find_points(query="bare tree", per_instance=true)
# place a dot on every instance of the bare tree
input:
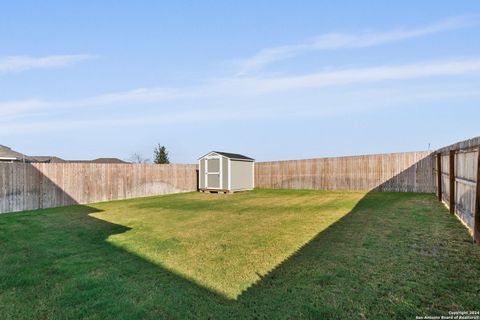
(138, 158)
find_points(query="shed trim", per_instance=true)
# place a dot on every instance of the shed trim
(229, 173)
(253, 175)
(220, 169)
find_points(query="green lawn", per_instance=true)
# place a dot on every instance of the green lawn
(261, 254)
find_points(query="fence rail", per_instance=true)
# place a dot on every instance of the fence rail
(46, 185)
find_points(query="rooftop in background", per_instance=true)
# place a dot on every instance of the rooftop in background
(9, 155)
(100, 160)
(49, 159)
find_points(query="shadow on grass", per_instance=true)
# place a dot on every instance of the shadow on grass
(393, 255)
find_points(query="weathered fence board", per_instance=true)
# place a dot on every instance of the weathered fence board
(404, 172)
(47, 185)
(463, 180)
(459, 176)
(445, 178)
(465, 185)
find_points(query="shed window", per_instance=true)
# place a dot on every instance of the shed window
(213, 165)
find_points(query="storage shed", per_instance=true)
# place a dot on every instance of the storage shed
(225, 172)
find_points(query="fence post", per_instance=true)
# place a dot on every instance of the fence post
(439, 176)
(197, 174)
(452, 181)
(476, 217)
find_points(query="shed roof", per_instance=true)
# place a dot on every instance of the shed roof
(231, 155)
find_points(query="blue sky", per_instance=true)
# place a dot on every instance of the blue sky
(272, 80)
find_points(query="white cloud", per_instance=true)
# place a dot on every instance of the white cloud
(232, 89)
(338, 103)
(135, 95)
(357, 75)
(22, 106)
(192, 116)
(23, 63)
(343, 40)
(254, 86)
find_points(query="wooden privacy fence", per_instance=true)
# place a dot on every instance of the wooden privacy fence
(46, 185)
(453, 172)
(458, 182)
(403, 172)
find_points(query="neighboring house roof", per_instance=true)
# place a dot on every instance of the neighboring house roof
(49, 159)
(231, 155)
(8, 153)
(108, 160)
(53, 159)
(99, 160)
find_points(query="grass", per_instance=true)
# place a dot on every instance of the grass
(262, 254)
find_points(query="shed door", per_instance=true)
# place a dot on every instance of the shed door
(213, 173)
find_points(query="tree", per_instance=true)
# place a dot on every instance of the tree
(160, 155)
(138, 158)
